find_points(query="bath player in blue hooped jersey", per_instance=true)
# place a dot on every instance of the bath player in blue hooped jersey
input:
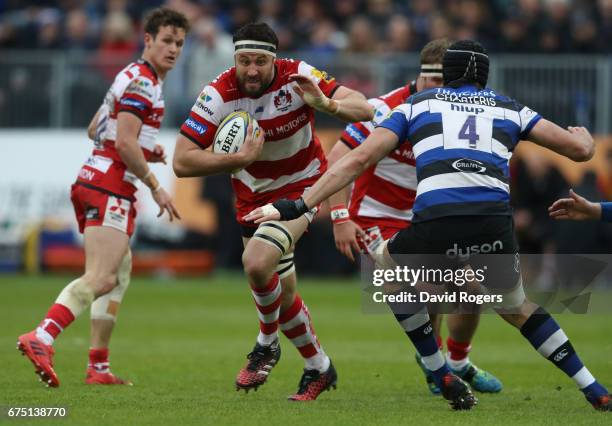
(462, 136)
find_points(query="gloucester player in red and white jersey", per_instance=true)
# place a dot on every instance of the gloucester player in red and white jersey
(380, 205)
(281, 94)
(124, 129)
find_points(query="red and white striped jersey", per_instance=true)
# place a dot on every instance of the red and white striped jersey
(292, 157)
(385, 192)
(136, 90)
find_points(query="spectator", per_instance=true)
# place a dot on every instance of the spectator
(342, 11)
(361, 37)
(605, 25)
(400, 37)
(77, 36)
(420, 14)
(211, 52)
(439, 28)
(118, 43)
(306, 15)
(555, 37)
(325, 41)
(379, 13)
(49, 31)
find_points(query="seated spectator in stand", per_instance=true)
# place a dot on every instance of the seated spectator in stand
(118, 43)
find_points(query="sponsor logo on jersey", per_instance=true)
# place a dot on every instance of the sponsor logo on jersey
(86, 174)
(204, 97)
(467, 165)
(203, 108)
(133, 103)
(259, 110)
(282, 101)
(321, 75)
(466, 108)
(139, 91)
(480, 98)
(141, 87)
(296, 122)
(199, 128)
(463, 253)
(92, 213)
(355, 134)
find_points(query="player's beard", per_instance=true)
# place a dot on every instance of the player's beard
(257, 92)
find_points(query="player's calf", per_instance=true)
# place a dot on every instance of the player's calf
(547, 337)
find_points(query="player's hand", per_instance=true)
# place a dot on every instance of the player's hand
(581, 132)
(159, 155)
(575, 208)
(252, 146)
(164, 201)
(279, 210)
(345, 235)
(309, 91)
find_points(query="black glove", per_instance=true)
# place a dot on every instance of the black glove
(289, 209)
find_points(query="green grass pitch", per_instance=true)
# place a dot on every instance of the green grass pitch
(183, 341)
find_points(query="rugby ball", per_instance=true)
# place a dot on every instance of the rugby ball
(232, 132)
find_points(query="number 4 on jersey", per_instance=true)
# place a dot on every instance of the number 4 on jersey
(468, 131)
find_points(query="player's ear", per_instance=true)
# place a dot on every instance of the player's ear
(148, 40)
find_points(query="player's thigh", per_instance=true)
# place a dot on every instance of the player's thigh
(105, 248)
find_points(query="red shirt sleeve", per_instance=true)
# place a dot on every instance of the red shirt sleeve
(204, 118)
(138, 97)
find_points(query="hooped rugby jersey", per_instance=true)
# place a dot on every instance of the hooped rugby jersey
(292, 158)
(136, 90)
(462, 139)
(387, 189)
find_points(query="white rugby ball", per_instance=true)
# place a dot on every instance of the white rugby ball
(232, 132)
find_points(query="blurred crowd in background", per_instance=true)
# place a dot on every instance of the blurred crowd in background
(322, 26)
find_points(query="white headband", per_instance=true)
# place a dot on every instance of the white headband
(431, 70)
(255, 46)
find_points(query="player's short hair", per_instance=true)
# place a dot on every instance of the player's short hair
(434, 51)
(162, 17)
(257, 31)
(465, 62)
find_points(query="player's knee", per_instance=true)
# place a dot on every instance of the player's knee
(256, 266)
(102, 283)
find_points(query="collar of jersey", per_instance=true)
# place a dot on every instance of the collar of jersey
(148, 65)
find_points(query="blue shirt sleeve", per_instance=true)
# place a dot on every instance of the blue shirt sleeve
(397, 122)
(606, 212)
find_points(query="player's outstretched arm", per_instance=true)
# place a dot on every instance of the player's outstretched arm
(380, 142)
(575, 208)
(126, 144)
(190, 160)
(575, 143)
(346, 104)
(345, 230)
(352, 105)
